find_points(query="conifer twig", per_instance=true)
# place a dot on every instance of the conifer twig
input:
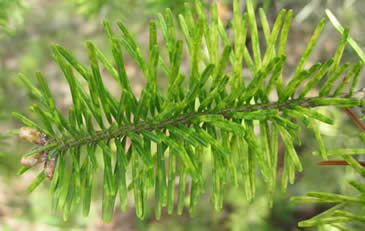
(160, 137)
(186, 120)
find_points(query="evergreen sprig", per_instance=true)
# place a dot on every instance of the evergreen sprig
(210, 113)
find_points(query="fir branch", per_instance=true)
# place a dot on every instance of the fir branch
(185, 119)
(215, 116)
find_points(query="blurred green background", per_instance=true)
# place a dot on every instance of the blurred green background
(27, 28)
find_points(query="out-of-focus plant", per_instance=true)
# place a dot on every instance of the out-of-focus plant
(124, 8)
(11, 15)
(176, 7)
(91, 8)
(350, 208)
(211, 118)
(264, 4)
(6, 164)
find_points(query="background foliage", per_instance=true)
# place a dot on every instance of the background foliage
(28, 49)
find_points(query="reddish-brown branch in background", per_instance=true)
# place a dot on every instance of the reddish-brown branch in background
(352, 115)
(337, 162)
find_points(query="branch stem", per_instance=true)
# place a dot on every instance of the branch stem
(185, 119)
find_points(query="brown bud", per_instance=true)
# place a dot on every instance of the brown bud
(30, 161)
(32, 135)
(49, 167)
